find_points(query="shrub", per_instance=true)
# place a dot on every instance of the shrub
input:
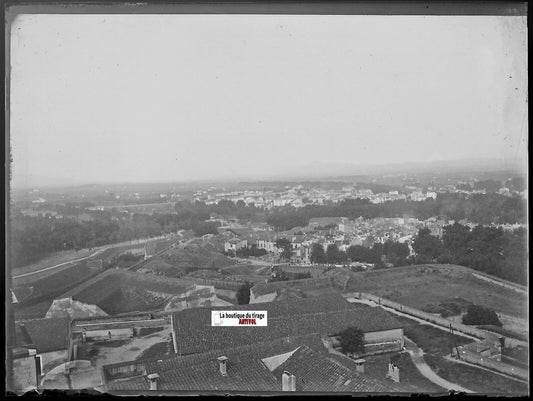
(479, 315)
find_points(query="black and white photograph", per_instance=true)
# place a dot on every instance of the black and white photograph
(266, 199)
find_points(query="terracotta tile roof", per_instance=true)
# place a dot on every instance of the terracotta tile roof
(244, 373)
(200, 372)
(262, 349)
(310, 363)
(194, 333)
(47, 334)
(316, 372)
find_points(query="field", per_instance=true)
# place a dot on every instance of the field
(158, 266)
(53, 285)
(52, 260)
(475, 379)
(434, 341)
(425, 286)
(197, 256)
(247, 272)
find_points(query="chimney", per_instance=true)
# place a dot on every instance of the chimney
(360, 365)
(288, 382)
(222, 360)
(153, 381)
(393, 373)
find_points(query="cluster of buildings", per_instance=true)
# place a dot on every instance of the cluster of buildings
(294, 352)
(297, 351)
(326, 231)
(298, 196)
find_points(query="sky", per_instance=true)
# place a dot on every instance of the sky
(140, 98)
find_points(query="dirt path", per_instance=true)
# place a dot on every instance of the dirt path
(417, 356)
(500, 283)
(372, 303)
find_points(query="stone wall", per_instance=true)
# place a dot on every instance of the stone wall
(486, 362)
(24, 373)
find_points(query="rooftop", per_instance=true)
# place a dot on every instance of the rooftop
(249, 370)
(46, 334)
(297, 317)
(316, 372)
(246, 371)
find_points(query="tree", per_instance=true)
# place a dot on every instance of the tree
(286, 246)
(396, 253)
(352, 340)
(243, 294)
(282, 243)
(427, 246)
(479, 315)
(317, 253)
(334, 255)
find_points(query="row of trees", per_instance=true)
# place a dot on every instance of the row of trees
(282, 275)
(253, 251)
(34, 237)
(389, 252)
(486, 249)
(479, 208)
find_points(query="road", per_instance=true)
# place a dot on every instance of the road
(60, 264)
(372, 303)
(98, 250)
(417, 355)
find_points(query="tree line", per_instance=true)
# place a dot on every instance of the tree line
(486, 249)
(391, 252)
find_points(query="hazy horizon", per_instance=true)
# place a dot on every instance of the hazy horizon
(306, 173)
(172, 98)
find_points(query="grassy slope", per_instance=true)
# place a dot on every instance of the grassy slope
(423, 286)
